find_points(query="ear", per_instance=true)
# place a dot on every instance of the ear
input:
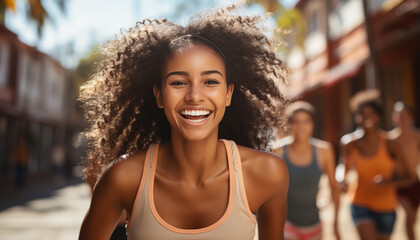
(230, 89)
(158, 96)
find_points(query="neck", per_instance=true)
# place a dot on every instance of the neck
(371, 134)
(300, 143)
(194, 160)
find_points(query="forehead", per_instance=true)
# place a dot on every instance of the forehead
(195, 55)
(300, 114)
(367, 109)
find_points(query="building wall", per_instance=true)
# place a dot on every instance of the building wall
(36, 107)
(337, 69)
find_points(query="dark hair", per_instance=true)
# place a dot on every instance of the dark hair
(119, 101)
(372, 104)
(300, 106)
(401, 106)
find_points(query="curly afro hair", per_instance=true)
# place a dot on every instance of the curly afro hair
(120, 105)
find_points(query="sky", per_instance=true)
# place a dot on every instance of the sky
(70, 36)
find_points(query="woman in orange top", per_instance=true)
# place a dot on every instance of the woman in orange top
(167, 96)
(373, 198)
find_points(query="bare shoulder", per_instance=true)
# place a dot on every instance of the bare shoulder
(281, 143)
(122, 177)
(322, 145)
(264, 167)
(350, 138)
(121, 170)
(416, 133)
(393, 134)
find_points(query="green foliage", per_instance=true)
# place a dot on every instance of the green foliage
(290, 21)
(88, 65)
(35, 10)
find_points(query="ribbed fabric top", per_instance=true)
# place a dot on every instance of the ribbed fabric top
(237, 222)
(367, 194)
(303, 188)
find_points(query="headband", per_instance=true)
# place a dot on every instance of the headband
(207, 41)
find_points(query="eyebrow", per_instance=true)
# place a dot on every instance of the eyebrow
(186, 74)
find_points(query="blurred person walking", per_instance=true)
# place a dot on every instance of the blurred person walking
(409, 139)
(21, 156)
(58, 156)
(307, 158)
(374, 158)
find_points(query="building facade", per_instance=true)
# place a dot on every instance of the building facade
(343, 54)
(37, 106)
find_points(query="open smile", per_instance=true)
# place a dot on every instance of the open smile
(195, 116)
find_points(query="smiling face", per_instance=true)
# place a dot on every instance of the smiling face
(194, 93)
(368, 118)
(301, 125)
(403, 118)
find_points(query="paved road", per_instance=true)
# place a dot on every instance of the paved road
(50, 212)
(56, 215)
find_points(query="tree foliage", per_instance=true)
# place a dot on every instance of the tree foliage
(35, 10)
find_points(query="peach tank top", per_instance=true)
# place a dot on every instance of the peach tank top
(237, 222)
(365, 193)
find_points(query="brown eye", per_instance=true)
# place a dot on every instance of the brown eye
(212, 82)
(177, 83)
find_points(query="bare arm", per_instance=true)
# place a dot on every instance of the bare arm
(401, 162)
(113, 194)
(105, 210)
(328, 163)
(271, 215)
(346, 163)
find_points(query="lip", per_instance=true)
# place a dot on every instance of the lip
(194, 124)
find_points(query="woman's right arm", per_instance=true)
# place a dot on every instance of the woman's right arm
(114, 192)
(345, 165)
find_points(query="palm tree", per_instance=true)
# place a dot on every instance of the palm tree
(286, 19)
(35, 10)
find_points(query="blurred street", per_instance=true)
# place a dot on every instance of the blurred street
(49, 212)
(334, 49)
(44, 212)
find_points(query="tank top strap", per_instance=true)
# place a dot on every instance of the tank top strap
(285, 154)
(239, 186)
(314, 156)
(147, 165)
(383, 149)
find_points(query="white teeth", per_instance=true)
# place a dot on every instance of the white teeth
(196, 120)
(195, 112)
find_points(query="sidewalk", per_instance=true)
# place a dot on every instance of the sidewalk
(47, 212)
(44, 211)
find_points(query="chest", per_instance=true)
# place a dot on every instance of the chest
(368, 149)
(191, 207)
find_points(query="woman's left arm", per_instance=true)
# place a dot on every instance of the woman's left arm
(328, 164)
(271, 215)
(401, 162)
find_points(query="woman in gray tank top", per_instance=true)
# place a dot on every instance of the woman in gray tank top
(307, 159)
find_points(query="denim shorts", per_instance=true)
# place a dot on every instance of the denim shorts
(384, 221)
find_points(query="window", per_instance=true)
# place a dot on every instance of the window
(4, 64)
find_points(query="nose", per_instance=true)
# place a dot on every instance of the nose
(194, 94)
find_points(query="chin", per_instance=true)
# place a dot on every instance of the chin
(193, 136)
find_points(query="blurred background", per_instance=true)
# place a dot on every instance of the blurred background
(48, 48)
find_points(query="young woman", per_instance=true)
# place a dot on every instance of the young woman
(374, 158)
(409, 139)
(307, 158)
(168, 96)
